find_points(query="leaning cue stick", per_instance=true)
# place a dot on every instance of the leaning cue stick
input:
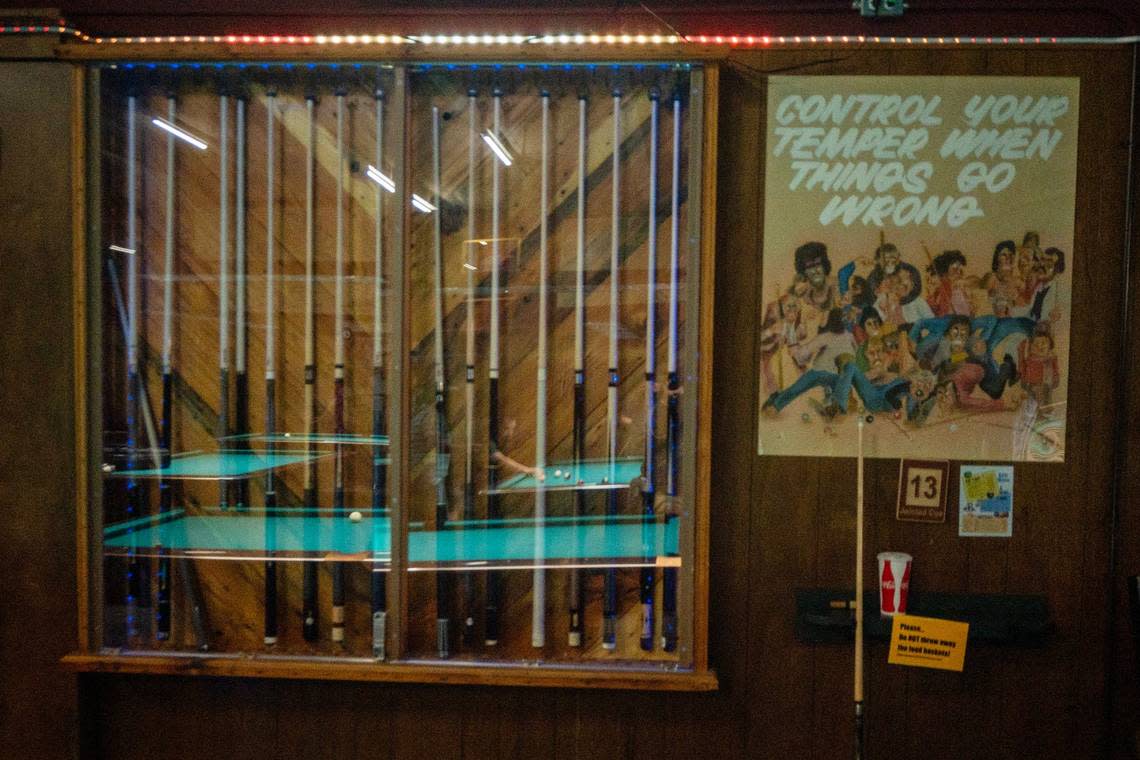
(338, 591)
(241, 378)
(309, 584)
(649, 490)
(191, 589)
(270, 382)
(609, 602)
(673, 408)
(859, 594)
(538, 600)
(135, 585)
(165, 494)
(377, 586)
(223, 288)
(468, 635)
(493, 510)
(442, 578)
(579, 435)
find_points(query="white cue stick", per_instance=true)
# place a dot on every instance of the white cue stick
(649, 494)
(538, 602)
(270, 377)
(378, 584)
(241, 379)
(609, 612)
(223, 286)
(576, 589)
(669, 574)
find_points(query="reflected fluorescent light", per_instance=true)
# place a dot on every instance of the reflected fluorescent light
(181, 134)
(497, 147)
(120, 249)
(469, 265)
(381, 179)
(421, 205)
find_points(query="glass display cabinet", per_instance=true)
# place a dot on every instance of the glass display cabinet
(398, 371)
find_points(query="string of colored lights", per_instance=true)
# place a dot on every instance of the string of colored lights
(460, 40)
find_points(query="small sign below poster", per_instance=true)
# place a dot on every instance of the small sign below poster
(922, 490)
(985, 501)
(928, 643)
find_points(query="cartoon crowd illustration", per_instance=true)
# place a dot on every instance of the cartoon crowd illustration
(941, 342)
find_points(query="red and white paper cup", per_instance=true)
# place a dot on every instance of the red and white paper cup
(894, 582)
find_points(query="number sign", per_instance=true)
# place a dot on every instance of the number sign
(922, 490)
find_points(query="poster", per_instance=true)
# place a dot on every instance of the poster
(985, 501)
(917, 266)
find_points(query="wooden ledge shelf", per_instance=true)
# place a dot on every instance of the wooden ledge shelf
(1006, 619)
(356, 669)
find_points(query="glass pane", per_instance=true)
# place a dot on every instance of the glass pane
(545, 368)
(245, 342)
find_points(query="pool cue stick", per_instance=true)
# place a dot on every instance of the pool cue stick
(165, 495)
(649, 489)
(309, 589)
(859, 594)
(338, 591)
(135, 583)
(494, 582)
(378, 585)
(241, 378)
(579, 435)
(468, 634)
(609, 601)
(442, 578)
(223, 288)
(538, 598)
(673, 404)
(270, 382)
(189, 576)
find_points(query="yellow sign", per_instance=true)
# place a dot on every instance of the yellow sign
(928, 643)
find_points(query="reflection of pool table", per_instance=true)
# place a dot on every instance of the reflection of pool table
(587, 475)
(623, 541)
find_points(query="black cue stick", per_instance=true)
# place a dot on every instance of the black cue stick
(649, 487)
(673, 406)
(309, 590)
(468, 633)
(576, 590)
(609, 591)
(241, 377)
(494, 511)
(223, 290)
(338, 568)
(442, 578)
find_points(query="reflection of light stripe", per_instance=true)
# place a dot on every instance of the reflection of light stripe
(181, 134)
(421, 204)
(497, 147)
(552, 565)
(472, 267)
(381, 179)
(121, 249)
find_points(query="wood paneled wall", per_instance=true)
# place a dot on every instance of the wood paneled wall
(777, 524)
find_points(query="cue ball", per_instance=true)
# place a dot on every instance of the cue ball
(356, 517)
(558, 473)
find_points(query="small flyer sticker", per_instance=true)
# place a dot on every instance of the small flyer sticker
(923, 642)
(922, 490)
(985, 501)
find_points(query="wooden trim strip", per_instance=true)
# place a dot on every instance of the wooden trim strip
(368, 670)
(79, 347)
